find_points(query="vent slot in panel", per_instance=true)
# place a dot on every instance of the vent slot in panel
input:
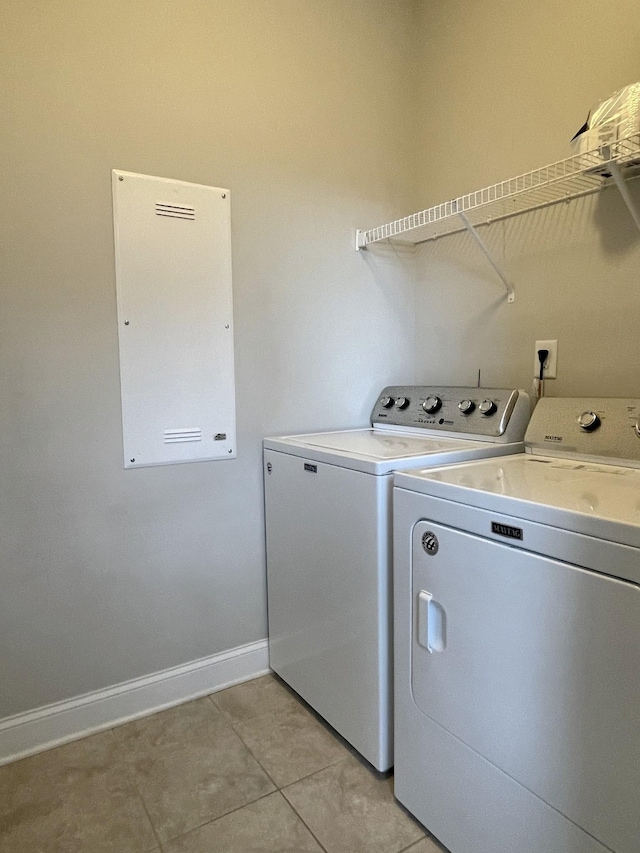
(175, 322)
(175, 211)
(172, 436)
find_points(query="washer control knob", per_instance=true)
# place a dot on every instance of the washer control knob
(589, 421)
(402, 402)
(432, 404)
(487, 407)
(637, 427)
(466, 406)
(386, 402)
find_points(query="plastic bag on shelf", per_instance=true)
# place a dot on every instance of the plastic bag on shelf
(609, 122)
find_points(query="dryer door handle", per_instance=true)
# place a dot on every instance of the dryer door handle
(431, 623)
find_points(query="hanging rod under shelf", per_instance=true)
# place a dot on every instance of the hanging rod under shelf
(571, 178)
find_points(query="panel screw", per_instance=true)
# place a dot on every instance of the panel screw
(224, 195)
(230, 450)
(120, 178)
(132, 460)
(226, 325)
(126, 322)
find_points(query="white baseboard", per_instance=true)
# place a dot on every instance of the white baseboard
(34, 731)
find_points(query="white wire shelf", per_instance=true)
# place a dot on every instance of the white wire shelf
(576, 176)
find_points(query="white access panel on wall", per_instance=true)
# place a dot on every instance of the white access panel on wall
(175, 324)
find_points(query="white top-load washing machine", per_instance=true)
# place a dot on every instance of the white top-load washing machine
(328, 523)
(517, 639)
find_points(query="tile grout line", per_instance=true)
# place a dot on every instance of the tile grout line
(282, 791)
(227, 722)
(358, 758)
(428, 837)
(313, 773)
(300, 818)
(229, 718)
(304, 823)
(131, 780)
(280, 788)
(238, 809)
(219, 817)
(287, 784)
(131, 777)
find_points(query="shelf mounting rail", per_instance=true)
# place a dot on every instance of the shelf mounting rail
(574, 177)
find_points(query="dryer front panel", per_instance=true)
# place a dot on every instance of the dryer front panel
(535, 665)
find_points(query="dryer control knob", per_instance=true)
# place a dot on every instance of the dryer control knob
(386, 402)
(402, 402)
(432, 404)
(487, 407)
(589, 421)
(466, 406)
(637, 427)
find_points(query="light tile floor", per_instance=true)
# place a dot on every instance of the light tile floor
(246, 770)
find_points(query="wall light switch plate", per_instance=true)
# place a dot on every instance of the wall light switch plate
(551, 362)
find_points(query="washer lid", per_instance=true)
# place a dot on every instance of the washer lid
(376, 444)
(591, 498)
(378, 451)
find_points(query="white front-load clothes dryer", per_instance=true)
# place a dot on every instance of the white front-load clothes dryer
(517, 639)
(328, 508)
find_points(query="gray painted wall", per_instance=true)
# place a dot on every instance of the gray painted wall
(507, 86)
(321, 118)
(298, 107)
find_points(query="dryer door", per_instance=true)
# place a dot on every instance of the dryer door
(534, 664)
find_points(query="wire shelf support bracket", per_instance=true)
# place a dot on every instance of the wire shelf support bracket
(511, 296)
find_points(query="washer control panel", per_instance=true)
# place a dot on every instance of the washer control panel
(488, 413)
(597, 427)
